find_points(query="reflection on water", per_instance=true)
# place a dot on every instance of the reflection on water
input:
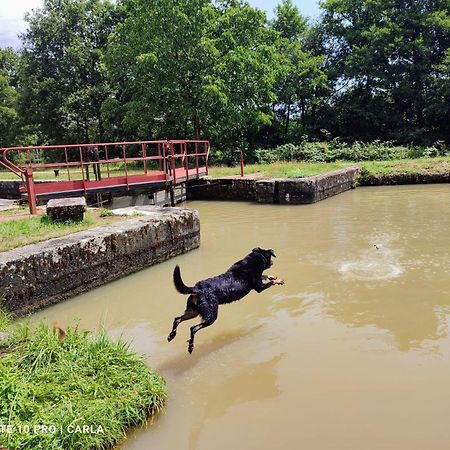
(352, 352)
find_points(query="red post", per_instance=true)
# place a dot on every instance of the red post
(172, 154)
(242, 163)
(186, 161)
(30, 190)
(144, 155)
(196, 157)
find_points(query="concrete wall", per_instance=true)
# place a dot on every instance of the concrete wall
(283, 191)
(10, 189)
(230, 188)
(41, 274)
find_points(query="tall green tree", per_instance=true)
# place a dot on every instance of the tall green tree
(192, 68)
(8, 96)
(63, 78)
(388, 60)
(303, 76)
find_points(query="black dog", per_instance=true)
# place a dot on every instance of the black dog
(206, 296)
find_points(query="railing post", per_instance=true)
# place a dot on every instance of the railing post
(186, 161)
(30, 190)
(242, 163)
(196, 157)
(144, 155)
(172, 154)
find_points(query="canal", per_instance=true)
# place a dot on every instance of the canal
(353, 352)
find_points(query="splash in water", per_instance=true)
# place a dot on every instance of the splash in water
(370, 270)
(379, 263)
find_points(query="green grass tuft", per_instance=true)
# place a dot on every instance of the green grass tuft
(81, 380)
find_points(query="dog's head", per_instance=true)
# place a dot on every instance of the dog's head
(266, 255)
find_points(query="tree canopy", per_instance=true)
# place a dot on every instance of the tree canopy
(94, 70)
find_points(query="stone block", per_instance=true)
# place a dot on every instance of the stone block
(265, 191)
(66, 209)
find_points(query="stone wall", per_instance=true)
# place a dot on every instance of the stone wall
(279, 190)
(229, 188)
(41, 274)
(10, 189)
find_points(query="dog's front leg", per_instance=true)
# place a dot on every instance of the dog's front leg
(260, 286)
(275, 280)
(263, 285)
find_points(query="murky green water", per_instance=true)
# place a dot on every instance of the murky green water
(353, 352)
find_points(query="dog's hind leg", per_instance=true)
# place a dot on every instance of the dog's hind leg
(189, 313)
(207, 321)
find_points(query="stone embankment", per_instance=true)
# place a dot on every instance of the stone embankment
(37, 275)
(10, 189)
(281, 191)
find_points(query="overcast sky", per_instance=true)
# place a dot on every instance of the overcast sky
(12, 13)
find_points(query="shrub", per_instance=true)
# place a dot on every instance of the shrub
(335, 150)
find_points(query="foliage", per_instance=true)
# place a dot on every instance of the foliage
(8, 96)
(80, 380)
(335, 150)
(388, 62)
(192, 68)
(220, 70)
(63, 78)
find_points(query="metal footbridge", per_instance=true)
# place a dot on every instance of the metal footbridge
(81, 169)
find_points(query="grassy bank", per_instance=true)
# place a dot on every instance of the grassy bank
(279, 169)
(18, 231)
(422, 166)
(79, 391)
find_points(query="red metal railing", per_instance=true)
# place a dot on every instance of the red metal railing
(114, 164)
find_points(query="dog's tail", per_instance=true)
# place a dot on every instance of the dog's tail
(181, 287)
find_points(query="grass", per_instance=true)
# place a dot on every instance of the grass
(280, 169)
(49, 386)
(439, 165)
(29, 230)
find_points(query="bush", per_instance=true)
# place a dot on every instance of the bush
(336, 150)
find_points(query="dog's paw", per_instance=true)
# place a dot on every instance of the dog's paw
(171, 336)
(268, 277)
(278, 281)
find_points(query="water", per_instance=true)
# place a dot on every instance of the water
(352, 353)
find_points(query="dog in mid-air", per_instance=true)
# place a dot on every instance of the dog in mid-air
(206, 296)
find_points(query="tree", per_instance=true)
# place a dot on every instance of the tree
(303, 76)
(389, 55)
(192, 68)
(8, 96)
(63, 78)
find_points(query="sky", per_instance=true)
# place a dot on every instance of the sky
(12, 15)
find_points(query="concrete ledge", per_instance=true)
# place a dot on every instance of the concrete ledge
(316, 188)
(34, 276)
(279, 190)
(402, 178)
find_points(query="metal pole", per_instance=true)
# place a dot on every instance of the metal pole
(242, 163)
(30, 190)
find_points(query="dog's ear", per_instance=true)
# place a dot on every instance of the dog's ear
(272, 253)
(256, 249)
